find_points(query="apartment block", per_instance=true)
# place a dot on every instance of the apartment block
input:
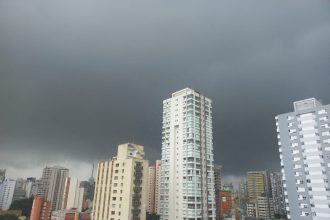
(121, 185)
(51, 186)
(41, 209)
(153, 188)
(7, 189)
(187, 171)
(73, 195)
(304, 147)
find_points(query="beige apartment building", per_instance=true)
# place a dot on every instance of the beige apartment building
(121, 185)
(153, 188)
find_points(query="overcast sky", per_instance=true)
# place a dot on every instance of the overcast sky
(77, 78)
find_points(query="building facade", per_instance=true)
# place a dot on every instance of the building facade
(217, 188)
(259, 192)
(41, 209)
(2, 175)
(121, 185)
(71, 214)
(304, 146)
(257, 183)
(153, 188)
(20, 189)
(226, 203)
(51, 186)
(278, 193)
(265, 207)
(73, 195)
(7, 189)
(187, 175)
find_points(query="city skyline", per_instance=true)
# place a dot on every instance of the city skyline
(73, 88)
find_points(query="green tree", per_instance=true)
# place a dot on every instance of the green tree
(8, 217)
(23, 204)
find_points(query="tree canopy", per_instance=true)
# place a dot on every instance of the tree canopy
(23, 204)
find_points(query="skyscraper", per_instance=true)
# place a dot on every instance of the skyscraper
(304, 146)
(7, 189)
(278, 193)
(153, 188)
(20, 189)
(121, 185)
(256, 184)
(217, 188)
(73, 194)
(52, 185)
(259, 192)
(187, 175)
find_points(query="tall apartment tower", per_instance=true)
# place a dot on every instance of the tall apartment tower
(153, 188)
(52, 185)
(121, 185)
(278, 193)
(73, 195)
(217, 188)
(187, 175)
(304, 146)
(259, 195)
(7, 189)
(256, 184)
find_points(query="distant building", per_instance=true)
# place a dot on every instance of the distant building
(7, 189)
(52, 185)
(278, 193)
(226, 203)
(251, 209)
(242, 196)
(41, 209)
(73, 195)
(227, 187)
(18, 213)
(265, 207)
(121, 185)
(217, 189)
(258, 192)
(89, 187)
(2, 175)
(304, 146)
(157, 187)
(258, 182)
(71, 214)
(20, 189)
(187, 175)
(153, 188)
(31, 187)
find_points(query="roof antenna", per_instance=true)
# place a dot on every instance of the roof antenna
(92, 176)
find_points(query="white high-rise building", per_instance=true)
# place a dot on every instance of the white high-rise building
(304, 146)
(7, 189)
(73, 195)
(187, 176)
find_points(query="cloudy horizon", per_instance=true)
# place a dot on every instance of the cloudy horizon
(78, 78)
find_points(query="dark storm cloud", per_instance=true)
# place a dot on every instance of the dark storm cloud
(79, 77)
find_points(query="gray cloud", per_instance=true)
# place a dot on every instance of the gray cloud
(77, 78)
